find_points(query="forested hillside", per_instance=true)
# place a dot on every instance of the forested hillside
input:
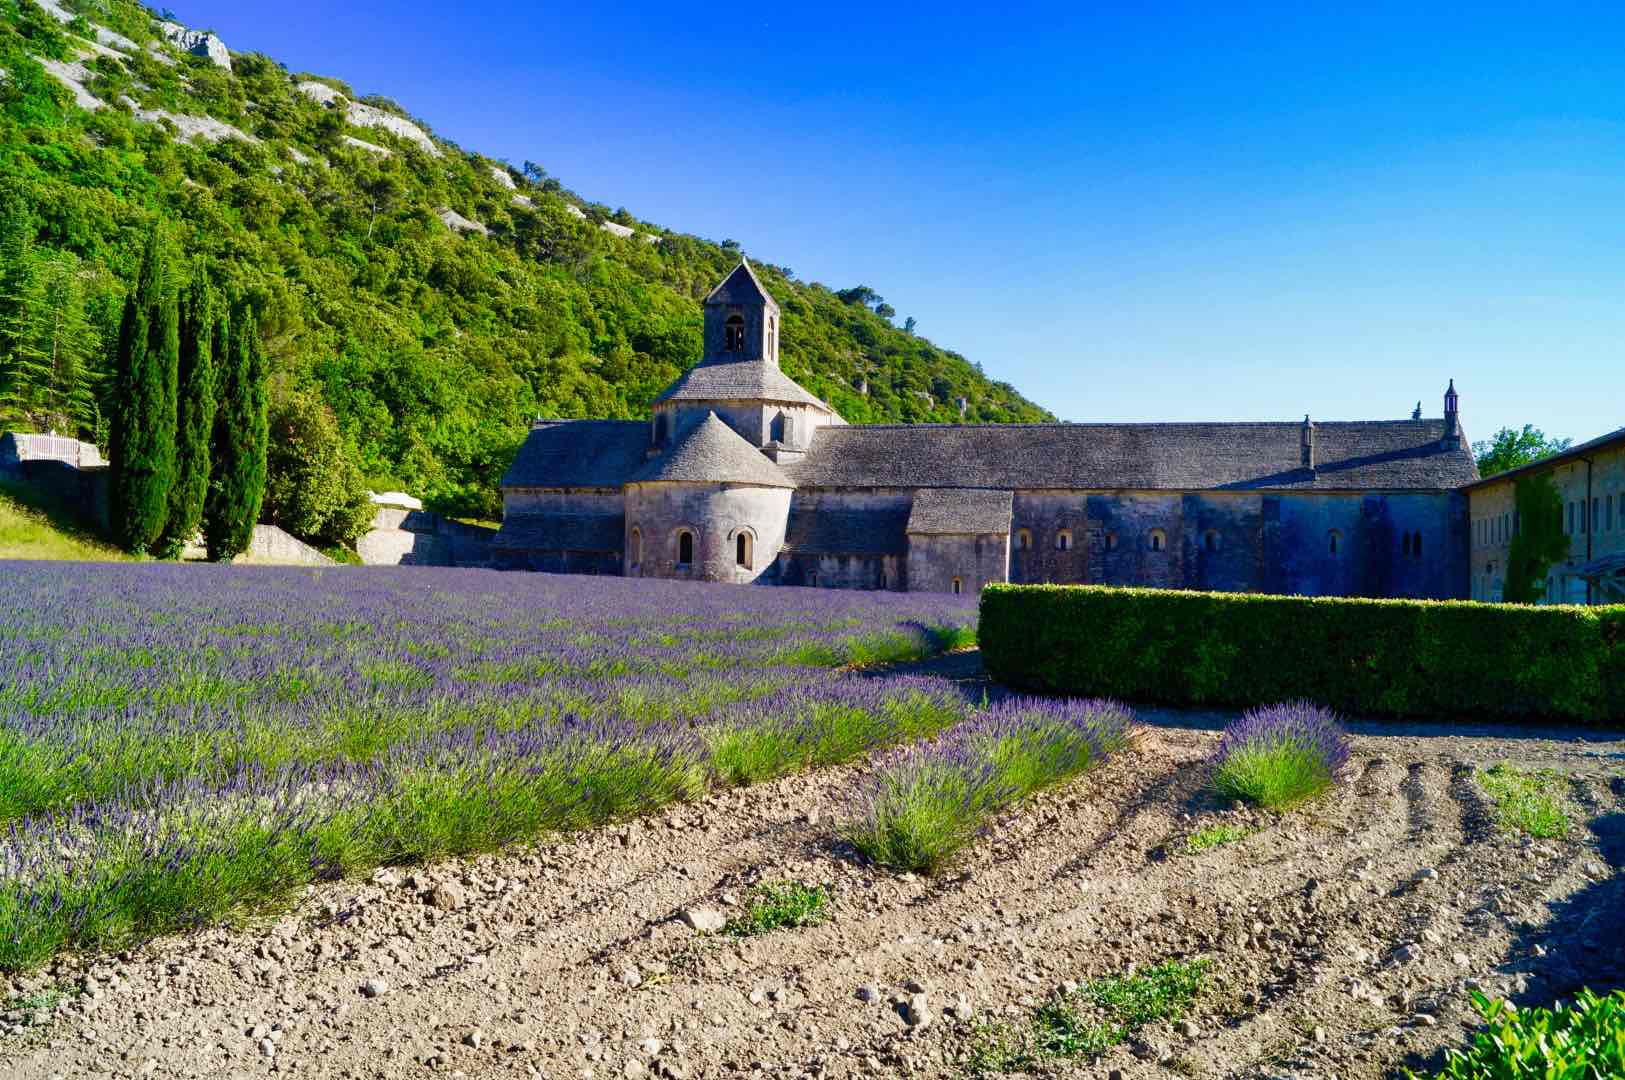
(435, 299)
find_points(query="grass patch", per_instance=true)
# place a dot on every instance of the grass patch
(1091, 1019)
(34, 527)
(1527, 801)
(786, 905)
(1214, 836)
(1579, 1041)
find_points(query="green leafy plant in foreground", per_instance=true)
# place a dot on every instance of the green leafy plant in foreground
(1091, 1019)
(1214, 836)
(1527, 801)
(785, 905)
(1582, 1041)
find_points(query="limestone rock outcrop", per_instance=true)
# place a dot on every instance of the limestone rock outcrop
(197, 42)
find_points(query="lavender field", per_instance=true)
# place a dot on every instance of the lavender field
(180, 744)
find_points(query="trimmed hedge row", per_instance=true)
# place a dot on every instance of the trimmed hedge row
(1368, 657)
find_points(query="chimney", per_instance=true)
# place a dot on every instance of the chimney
(1306, 444)
(1452, 418)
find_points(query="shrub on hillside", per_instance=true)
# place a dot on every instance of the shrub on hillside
(1371, 657)
(312, 488)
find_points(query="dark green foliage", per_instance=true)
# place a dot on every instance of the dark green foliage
(312, 487)
(1538, 541)
(1362, 657)
(433, 349)
(195, 410)
(1582, 1041)
(239, 447)
(143, 437)
(1508, 449)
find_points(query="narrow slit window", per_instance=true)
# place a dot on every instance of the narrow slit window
(1334, 540)
(742, 550)
(685, 548)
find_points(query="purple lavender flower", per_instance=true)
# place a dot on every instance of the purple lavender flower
(1279, 755)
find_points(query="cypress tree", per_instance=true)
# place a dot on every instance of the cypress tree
(143, 437)
(194, 428)
(241, 437)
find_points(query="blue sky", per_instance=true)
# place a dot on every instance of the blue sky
(1129, 211)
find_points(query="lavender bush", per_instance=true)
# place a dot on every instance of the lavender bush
(1280, 755)
(927, 803)
(180, 743)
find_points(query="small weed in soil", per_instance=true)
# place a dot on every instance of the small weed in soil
(784, 906)
(1091, 1019)
(1214, 836)
(1528, 802)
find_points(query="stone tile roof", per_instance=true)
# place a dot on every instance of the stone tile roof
(960, 511)
(1359, 455)
(815, 530)
(579, 453)
(712, 452)
(741, 287)
(738, 380)
(562, 532)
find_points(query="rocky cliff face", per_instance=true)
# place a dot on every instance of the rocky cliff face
(197, 42)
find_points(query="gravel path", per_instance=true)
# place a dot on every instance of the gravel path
(1344, 935)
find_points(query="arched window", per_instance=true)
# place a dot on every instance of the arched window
(1063, 540)
(959, 586)
(1111, 541)
(685, 548)
(1334, 541)
(733, 334)
(1210, 540)
(1024, 540)
(742, 549)
(637, 546)
(1158, 540)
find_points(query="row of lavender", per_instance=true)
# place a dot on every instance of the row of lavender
(181, 743)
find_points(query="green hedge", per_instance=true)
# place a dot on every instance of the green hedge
(1370, 657)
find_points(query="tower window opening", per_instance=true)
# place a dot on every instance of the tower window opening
(772, 336)
(685, 548)
(733, 334)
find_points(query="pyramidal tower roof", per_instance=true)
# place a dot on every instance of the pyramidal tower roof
(741, 287)
(713, 453)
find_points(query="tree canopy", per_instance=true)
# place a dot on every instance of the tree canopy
(1509, 448)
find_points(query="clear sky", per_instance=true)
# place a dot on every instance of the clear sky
(1130, 211)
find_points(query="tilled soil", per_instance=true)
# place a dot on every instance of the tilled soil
(1344, 936)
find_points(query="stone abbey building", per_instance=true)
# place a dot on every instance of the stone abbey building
(741, 475)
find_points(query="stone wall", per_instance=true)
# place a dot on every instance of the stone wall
(936, 562)
(714, 515)
(401, 537)
(1315, 544)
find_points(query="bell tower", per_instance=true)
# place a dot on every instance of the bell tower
(741, 321)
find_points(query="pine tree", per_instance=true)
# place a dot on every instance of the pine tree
(241, 438)
(18, 365)
(143, 436)
(195, 413)
(67, 343)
